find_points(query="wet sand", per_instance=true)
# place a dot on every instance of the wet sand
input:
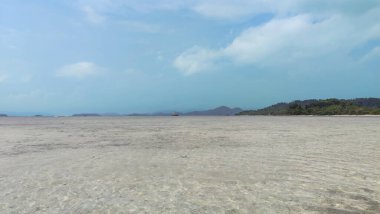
(190, 165)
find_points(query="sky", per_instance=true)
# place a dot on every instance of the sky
(134, 56)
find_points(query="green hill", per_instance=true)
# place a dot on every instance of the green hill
(359, 106)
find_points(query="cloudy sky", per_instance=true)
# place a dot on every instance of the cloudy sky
(69, 56)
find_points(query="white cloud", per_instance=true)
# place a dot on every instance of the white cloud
(78, 70)
(3, 77)
(258, 43)
(286, 42)
(373, 55)
(196, 60)
(11, 39)
(301, 30)
(26, 78)
(97, 11)
(140, 26)
(92, 15)
(227, 9)
(155, 5)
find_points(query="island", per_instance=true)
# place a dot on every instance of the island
(359, 106)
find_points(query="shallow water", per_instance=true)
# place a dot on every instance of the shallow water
(190, 165)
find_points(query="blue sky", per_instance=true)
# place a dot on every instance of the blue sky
(69, 56)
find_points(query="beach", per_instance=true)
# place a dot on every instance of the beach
(258, 164)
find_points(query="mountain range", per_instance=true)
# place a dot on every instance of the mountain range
(359, 106)
(219, 111)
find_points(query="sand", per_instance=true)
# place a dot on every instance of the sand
(190, 165)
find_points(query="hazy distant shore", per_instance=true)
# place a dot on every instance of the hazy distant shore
(146, 116)
(311, 107)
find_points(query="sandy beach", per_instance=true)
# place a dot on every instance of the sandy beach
(190, 165)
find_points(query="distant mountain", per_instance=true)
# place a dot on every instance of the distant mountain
(136, 115)
(86, 115)
(219, 111)
(3, 115)
(111, 114)
(151, 114)
(359, 106)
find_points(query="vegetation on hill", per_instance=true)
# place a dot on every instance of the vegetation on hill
(360, 106)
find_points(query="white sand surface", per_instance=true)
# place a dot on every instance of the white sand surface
(190, 165)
